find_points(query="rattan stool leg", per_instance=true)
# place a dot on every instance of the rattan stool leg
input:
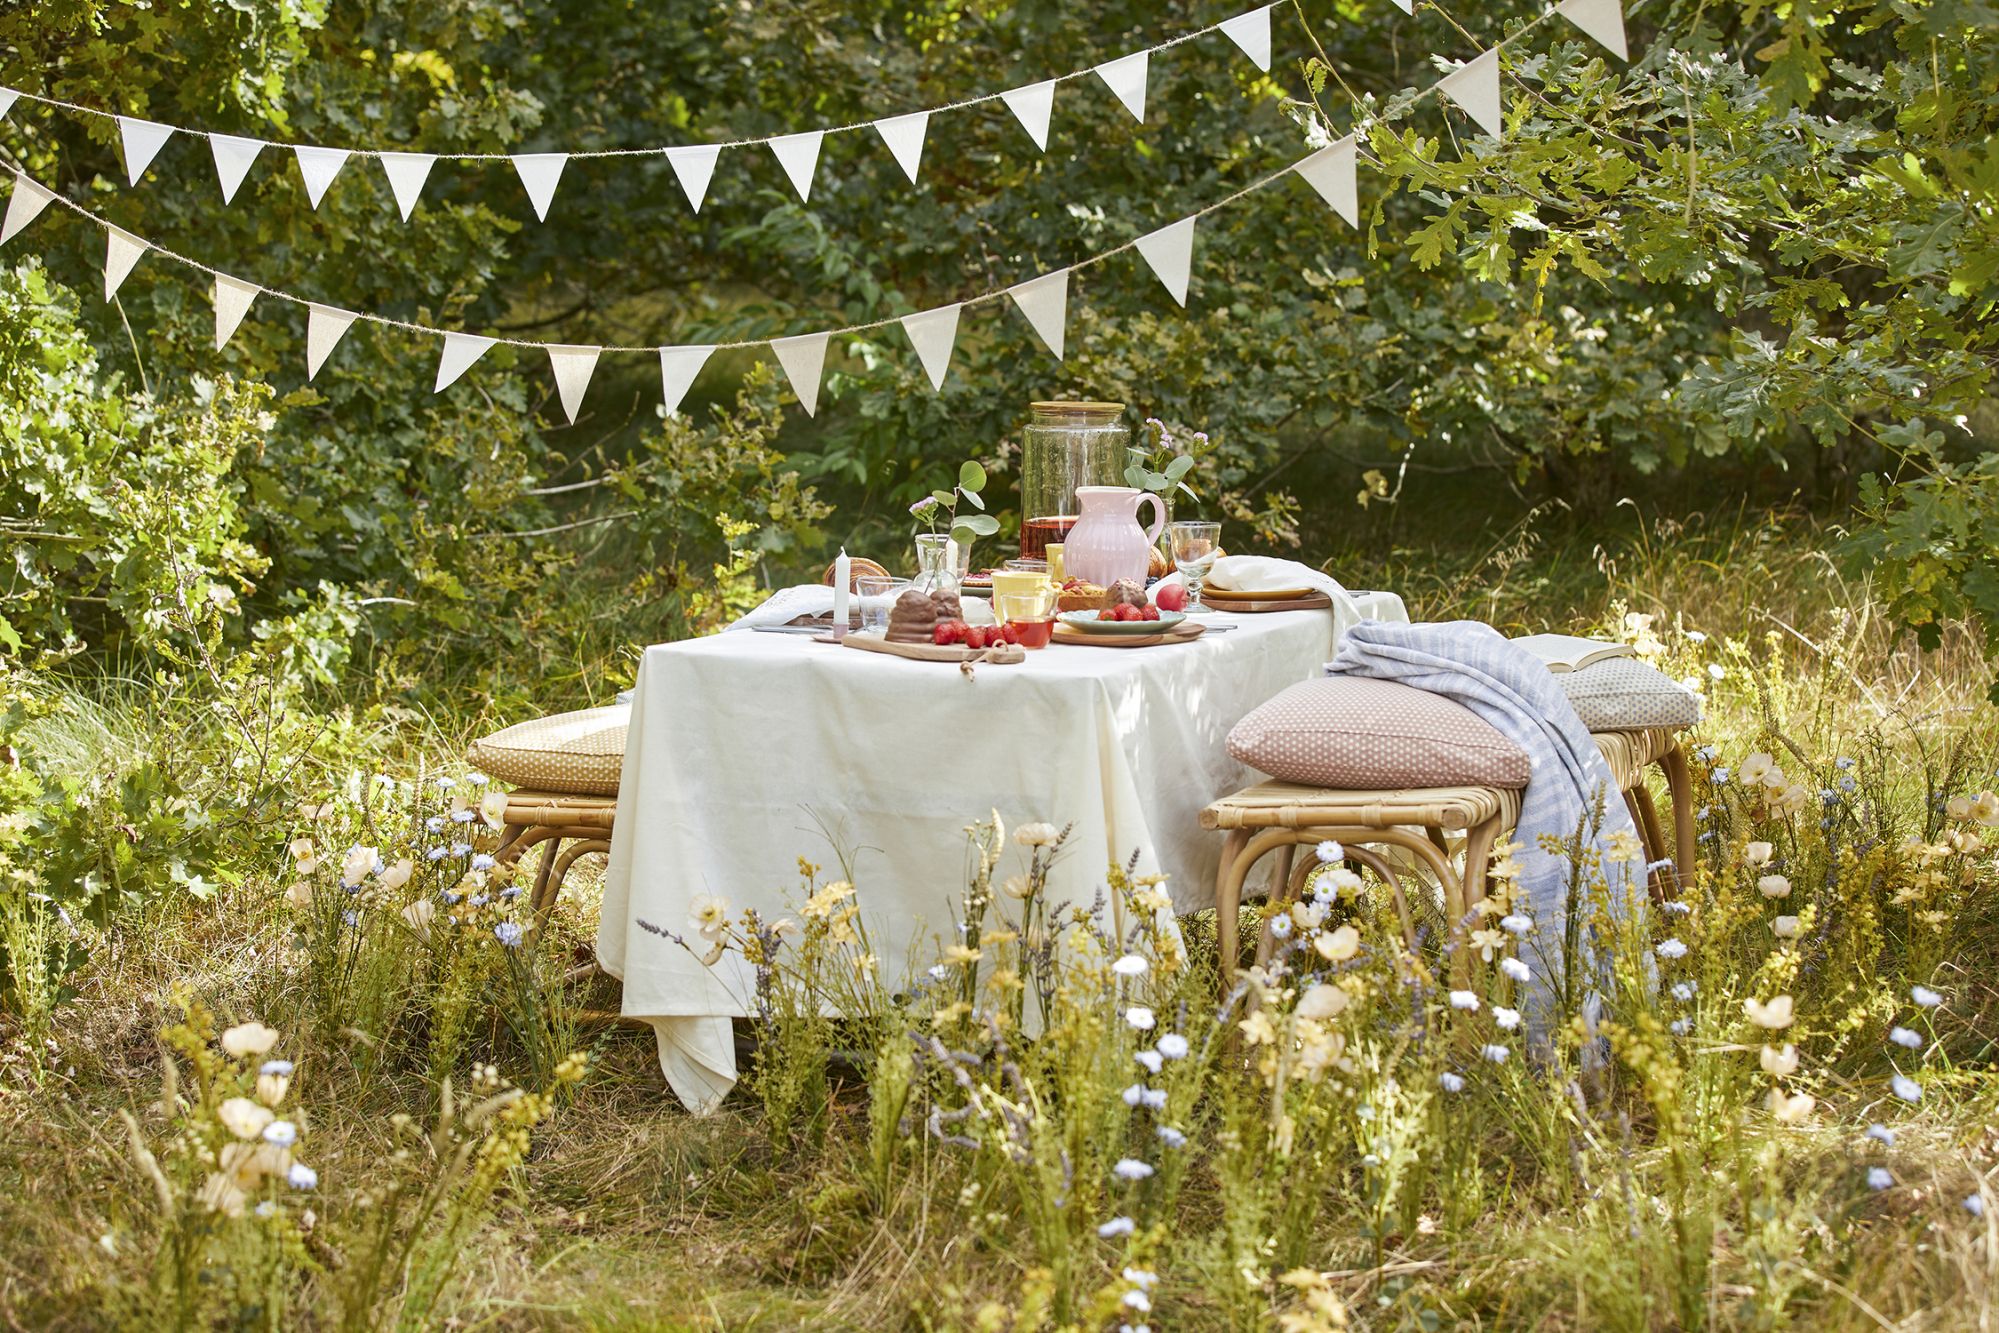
(1680, 787)
(1228, 901)
(1655, 839)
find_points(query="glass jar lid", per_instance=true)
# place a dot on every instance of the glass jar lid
(1090, 412)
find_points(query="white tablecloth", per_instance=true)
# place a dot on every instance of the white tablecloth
(748, 750)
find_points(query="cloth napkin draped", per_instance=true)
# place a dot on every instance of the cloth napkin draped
(1247, 573)
(1514, 691)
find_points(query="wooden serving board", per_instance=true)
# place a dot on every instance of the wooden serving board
(915, 652)
(1082, 638)
(1318, 601)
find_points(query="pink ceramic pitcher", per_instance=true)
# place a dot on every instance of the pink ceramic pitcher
(1107, 544)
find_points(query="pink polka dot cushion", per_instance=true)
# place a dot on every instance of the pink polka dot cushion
(1355, 734)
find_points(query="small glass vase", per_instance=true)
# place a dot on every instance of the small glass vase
(936, 570)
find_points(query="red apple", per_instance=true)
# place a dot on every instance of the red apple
(1171, 597)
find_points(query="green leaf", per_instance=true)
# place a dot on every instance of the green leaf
(1179, 467)
(973, 497)
(971, 477)
(979, 525)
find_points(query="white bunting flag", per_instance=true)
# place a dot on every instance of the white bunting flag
(325, 326)
(1125, 76)
(1032, 106)
(232, 301)
(407, 173)
(319, 166)
(904, 137)
(143, 140)
(934, 332)
(7, 96)
(1406, 6)
(24, 206)
(803, 359)
(1601, 19)
(1045, 302)
(798, 154)
(1170, 251)
(677, 368)
(572, 367)
(1251, 32)
(694, 164)
(121, 250)
(1474, 86)
(233, 156)
(460, 351)
(1331, 172)
(539, 172)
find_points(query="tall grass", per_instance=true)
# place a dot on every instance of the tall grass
(1006, 1145)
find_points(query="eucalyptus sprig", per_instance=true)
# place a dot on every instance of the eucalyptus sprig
(943, 506)
(1158, 465)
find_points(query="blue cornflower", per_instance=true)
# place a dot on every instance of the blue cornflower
(1878, 1178)
(1450, 1082)
(508, 933)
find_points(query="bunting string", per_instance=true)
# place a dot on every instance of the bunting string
(1473, 86)
(693, 164)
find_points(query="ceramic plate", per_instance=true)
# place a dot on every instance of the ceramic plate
(1087, 622)
(1258, 595)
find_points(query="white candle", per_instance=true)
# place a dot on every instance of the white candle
(842, 582)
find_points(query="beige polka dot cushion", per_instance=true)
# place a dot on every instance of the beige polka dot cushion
(578, 754)
(1355, 734)
(1625, 694)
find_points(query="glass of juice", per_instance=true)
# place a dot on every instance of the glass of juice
(1030, 611)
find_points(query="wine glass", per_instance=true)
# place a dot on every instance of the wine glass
(1195, 546)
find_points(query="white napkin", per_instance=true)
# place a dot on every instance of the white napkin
(816, 599)
(1247, 573)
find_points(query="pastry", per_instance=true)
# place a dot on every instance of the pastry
(913, 618)
(1076, 595)
(1125, 592)
(1157, 565)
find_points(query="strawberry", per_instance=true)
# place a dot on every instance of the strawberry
(975, 637)
(1150, 613)
(1108, 613)
(942, 634)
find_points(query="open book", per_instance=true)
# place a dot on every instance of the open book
(1567, 652)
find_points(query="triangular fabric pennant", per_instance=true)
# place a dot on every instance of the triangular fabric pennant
(1406, 6)
(934, 332)
(694, 165)
(121, 250)
(7, 96)
(1045, 302)
(1601, 19)
(1331, 172)
(1251, 32)
(539, 172)
(904, 137)
(798, 154)
(677, 368)
(572, 367)
(24, 206)
(1474, 86)
(1170, 251)
(407, 173)
(319, 166)
(143, 140)
(233, 156)
(325, 326)
(460, 351)
(1032, 106)
(803, 359)
(1125, 76)
(232, 301)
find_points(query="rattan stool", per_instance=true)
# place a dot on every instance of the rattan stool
(1282, 816)
(535, 817)
(1629, 754)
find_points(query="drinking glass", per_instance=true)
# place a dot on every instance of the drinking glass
(877, 596)
(1033, 611)
(1195, 546)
